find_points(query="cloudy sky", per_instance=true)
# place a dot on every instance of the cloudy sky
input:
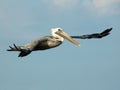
(95, 65)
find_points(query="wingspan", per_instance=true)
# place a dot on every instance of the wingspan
(94, 35)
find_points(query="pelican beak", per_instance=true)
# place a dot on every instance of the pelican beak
(66, 36)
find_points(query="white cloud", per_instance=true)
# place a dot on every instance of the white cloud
(63, 4)
(103, 7)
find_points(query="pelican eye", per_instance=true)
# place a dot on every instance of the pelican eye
(59, 30)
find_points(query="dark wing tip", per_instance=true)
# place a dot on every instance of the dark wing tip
(10, 48)
(106, 32)
(94, 35)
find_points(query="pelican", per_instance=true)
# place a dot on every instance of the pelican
(57, 38)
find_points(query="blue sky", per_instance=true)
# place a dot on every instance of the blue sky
(95, 65)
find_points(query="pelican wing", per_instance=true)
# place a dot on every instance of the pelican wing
(39, 44)
(94, 35)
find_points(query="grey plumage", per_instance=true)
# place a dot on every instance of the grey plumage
(55, 40)
(44, 43)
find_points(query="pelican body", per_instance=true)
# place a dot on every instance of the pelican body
(57, 38)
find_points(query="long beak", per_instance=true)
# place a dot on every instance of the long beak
(66, 36)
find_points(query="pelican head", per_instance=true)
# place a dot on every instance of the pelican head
(61, 35)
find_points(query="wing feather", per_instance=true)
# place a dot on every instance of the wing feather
(94, 35)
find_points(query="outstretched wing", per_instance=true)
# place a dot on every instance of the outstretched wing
(23, 51)
(29, 47)
(94, 35)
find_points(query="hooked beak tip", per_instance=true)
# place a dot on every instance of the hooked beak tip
(79, 45)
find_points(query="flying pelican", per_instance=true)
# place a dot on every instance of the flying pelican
(57, 38)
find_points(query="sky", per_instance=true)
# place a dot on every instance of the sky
(95, 65)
